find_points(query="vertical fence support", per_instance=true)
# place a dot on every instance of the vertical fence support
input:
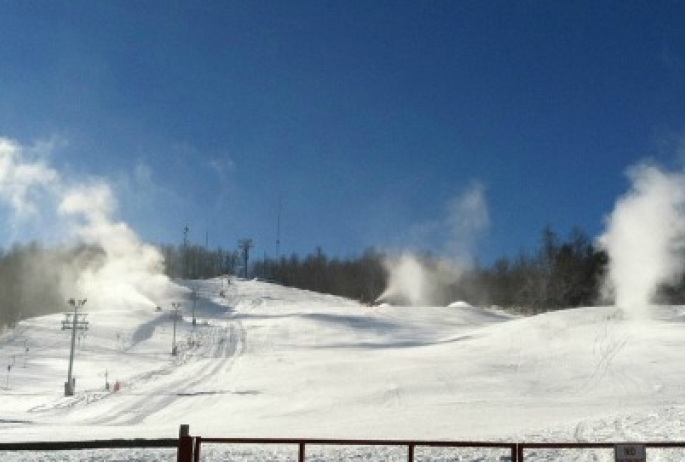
(300, 453)
(410, 452)
(196, 448)
(185, 444)
(519, 453)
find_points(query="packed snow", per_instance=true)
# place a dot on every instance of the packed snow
(264, 360)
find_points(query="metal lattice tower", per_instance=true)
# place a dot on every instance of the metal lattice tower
(76, 322)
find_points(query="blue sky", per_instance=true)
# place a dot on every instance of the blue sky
(365, 119)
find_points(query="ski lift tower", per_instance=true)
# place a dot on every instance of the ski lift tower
(74, 321)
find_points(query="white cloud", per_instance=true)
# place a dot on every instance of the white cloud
(142, 174)
(25, 179)
(222, 166)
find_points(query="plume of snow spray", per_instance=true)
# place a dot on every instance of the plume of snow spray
(132, 272)
(645, 238)
(123, 272)
(417, 281)
(425, 281)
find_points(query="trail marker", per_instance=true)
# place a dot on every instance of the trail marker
(630, 453)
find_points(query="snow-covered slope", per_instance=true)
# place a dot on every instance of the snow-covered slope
(269, 361)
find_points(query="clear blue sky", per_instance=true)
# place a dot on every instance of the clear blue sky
(365, 117)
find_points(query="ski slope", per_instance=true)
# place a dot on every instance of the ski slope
(269, 361)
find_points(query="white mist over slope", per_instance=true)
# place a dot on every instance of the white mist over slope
(127, 273)
(645, 237)
(419, 281)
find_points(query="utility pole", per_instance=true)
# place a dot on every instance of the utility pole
(174, 314)
(245, 245)
(185, 253)
(74, 321)
(195, 297)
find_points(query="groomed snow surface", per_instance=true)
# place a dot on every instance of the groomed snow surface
(269, 361)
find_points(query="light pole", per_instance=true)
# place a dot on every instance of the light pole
(176, 307)
(74, 324)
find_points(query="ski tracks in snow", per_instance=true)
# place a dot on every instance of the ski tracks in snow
(610, 341)
(214, 352)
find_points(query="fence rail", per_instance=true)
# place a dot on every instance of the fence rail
(303, 443)
(521, 447)
(188, 448)
(90, 444)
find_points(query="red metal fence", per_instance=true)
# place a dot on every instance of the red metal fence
(190, 447)
(302, 444)
(522, 447)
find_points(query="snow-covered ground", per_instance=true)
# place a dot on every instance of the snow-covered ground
(269, 361)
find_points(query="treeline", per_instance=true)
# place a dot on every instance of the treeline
(559, 273)
(34, 279)
(361, 278)
(197, 262)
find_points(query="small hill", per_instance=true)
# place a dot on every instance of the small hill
(263, 360)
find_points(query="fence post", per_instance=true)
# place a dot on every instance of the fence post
(519, 452)
(185, 444)
(410, 452)
(300, 454)
(196, 448)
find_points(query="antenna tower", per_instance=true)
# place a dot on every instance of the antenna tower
(278, 228)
